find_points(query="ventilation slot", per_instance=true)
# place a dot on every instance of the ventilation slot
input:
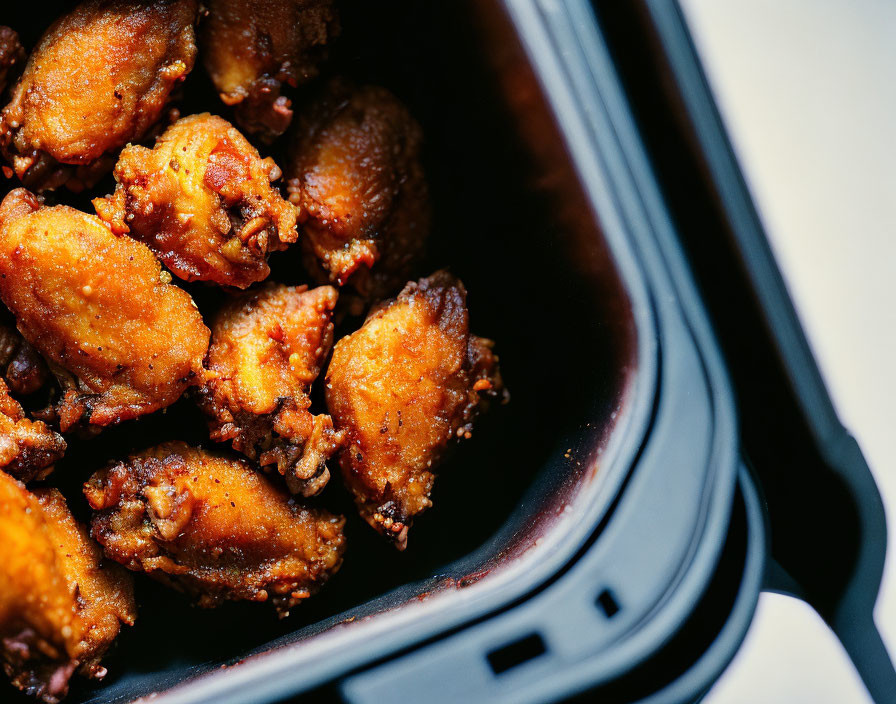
(607, 603)
(516, 653)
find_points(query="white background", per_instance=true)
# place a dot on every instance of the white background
(807, 89)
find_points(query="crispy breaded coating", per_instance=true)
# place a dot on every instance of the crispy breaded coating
(267, 349)
(202, 200)
(402, 387)
(12, 56)
(60, 609)
(21, 365)
(355, 172)
(28, 448)
(250, 48)
(213, 527)
(122, 341)
(100, 77)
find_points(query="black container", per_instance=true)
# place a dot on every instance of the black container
(616, 543)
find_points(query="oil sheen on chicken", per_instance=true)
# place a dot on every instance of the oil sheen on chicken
(212, 526)
(100, 77)
(401, 388)
(28, 448)
(355, 172)
(267, 349)
(250, 48)
(60, 607)
(202, 200)
(122, 341)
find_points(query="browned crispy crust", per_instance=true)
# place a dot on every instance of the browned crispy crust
(99, 78)
(356, 174)
(211, 526)
(250, 48)
(202, 200)
(411, 380)
(267, 349)
(28, 448)
(60, 610)
(12, 56)
(122, 341)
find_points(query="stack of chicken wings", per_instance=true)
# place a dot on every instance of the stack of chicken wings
(102, 327)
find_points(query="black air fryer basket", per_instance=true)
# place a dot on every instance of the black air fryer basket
(669, 450)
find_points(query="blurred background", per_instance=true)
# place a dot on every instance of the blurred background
(807, 89)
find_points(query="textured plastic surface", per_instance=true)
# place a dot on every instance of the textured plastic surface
(709, 665)
(573, 660)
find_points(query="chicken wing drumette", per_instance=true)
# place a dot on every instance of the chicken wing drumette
(202, 200)
(28, 448)
(122, 341)
(252, 47)
(213, 527)
(60, 608)
(12, 56)
(355, 172)
(409, 381)
(267, 349)
(99, 78)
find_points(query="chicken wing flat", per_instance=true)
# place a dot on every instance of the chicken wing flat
(12, 56)
(60, 609)
(355, 172)
(252, 47)
(100, 77)
(21, 365)
(403, 386)
(213, 527)
(267, 349)
(202, 200)
(28, 448)
(121, 340)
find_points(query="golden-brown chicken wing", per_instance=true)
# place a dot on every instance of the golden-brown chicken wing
(21, 366)
(99, 78)
(252, 47)
(60, 609)
(12, 56)
(28, 448)
(122, 340)
(355, 172)
(203, 202)
(267, 349)
(213, 527)
(404, 385)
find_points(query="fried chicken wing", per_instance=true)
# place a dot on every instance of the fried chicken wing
(122, 341)
(28, 448)
(213, 527)
(250, 48)
(202, 200)
(355, 172)
(60, 609)
(100, 77)
(409, 381)
(267, 349)
(12, 56)
(21, 366)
